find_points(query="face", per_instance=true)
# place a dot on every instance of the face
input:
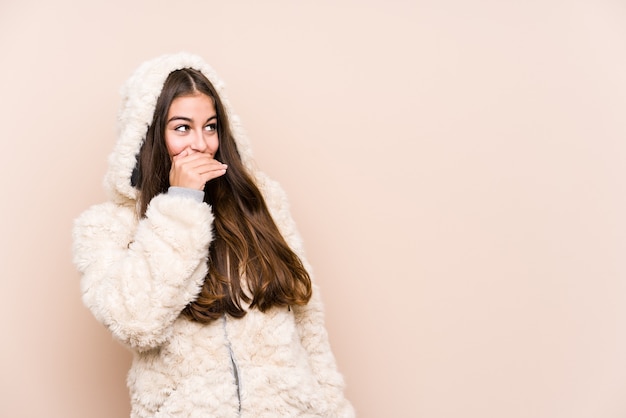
(192, 126)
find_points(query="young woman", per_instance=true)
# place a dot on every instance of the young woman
(196, 265)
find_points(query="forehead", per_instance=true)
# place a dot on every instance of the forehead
(198, 103)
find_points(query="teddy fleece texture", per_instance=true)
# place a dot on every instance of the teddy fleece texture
(138, 275)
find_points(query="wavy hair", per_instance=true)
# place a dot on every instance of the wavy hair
(249, 260)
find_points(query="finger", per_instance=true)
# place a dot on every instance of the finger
(213, 174)
(207, 167)
(193, 162)
(186, 156)
(196, 173)
(199, 164)
(180, 155)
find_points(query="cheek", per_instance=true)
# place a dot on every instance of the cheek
(214, 143)
(173, 147)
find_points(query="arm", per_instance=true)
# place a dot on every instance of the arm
(137, 276)
(309, 318)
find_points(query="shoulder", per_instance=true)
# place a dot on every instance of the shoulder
(106, 213)
(104, 221)
(278, 204)
(268, 186)
(275, 197)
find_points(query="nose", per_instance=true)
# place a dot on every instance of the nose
(198, 142)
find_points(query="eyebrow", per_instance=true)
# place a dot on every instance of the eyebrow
(186, 119)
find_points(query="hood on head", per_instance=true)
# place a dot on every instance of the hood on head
(139, 97)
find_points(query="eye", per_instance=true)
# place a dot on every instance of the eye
(182, 128)
(211, 127)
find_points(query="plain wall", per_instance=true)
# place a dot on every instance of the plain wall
(457, 170)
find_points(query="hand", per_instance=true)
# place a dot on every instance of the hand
(194, 170)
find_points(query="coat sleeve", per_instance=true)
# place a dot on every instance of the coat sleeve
(309, 318)
(137, 276)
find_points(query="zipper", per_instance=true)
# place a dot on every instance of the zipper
(235, 368)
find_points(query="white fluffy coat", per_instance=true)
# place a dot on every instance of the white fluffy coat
(138, 275)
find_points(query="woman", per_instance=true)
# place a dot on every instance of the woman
(196, 265)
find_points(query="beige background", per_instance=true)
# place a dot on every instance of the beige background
(457, 169)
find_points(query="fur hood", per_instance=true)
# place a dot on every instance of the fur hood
(139, 97)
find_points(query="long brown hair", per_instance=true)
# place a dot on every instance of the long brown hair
(247, 243)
